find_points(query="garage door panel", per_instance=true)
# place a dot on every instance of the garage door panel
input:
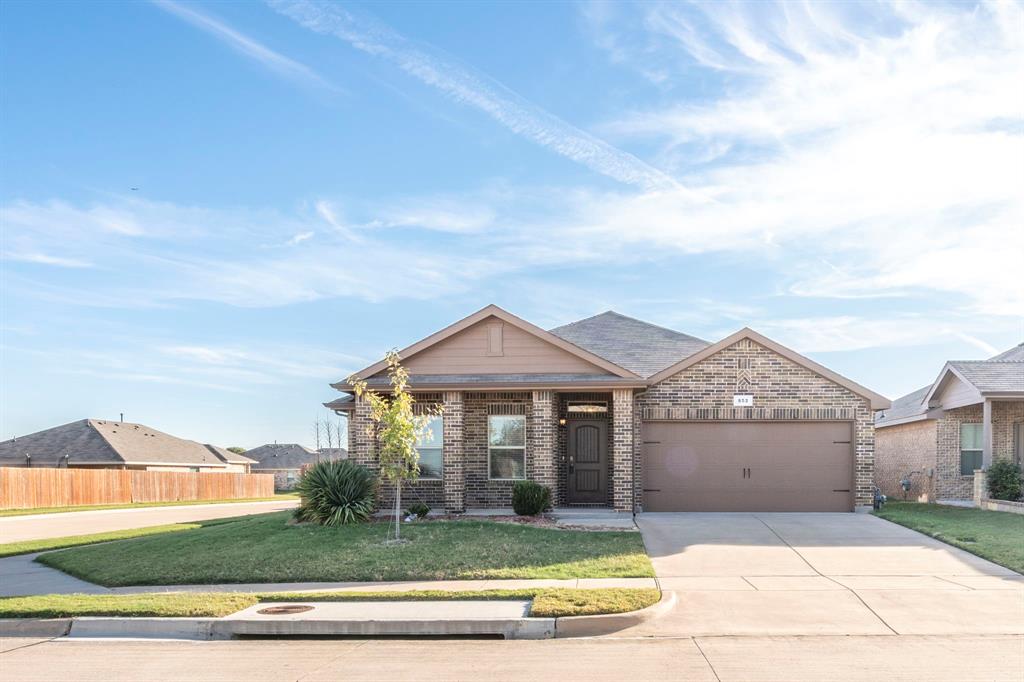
(748, 466)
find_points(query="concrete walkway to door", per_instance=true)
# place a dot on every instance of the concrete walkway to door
(821, 574)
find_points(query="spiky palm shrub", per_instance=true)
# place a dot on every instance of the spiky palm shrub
(336, 492)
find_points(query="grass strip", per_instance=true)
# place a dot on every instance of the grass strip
(141, 505)
(547, 602)
(992, 535)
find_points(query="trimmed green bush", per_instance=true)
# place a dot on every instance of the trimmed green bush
(529, 498)
(1004, 480)
(336, 492)
(419, 509)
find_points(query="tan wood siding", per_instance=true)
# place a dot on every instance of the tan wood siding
(474, 351)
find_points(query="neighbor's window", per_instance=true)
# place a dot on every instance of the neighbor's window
(970, 448)
(506, 446)
(429, 445)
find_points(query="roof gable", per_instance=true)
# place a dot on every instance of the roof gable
(527, 340)
(878, 402)
(641, 347)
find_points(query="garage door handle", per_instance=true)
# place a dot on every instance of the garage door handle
(652, 490)
(841, 491)
(840, 442)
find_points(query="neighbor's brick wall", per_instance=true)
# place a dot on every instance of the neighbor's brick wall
(904, 448)
(782, 390)
(949, 484)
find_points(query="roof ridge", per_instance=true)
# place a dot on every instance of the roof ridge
(633, 319)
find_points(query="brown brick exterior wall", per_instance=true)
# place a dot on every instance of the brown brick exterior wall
(782, 390)
(454, 458)
(904, 448)
(542, 436)
(949, 484)
(622, 452)
(480, 490)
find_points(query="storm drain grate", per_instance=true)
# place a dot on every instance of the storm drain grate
(284, 610)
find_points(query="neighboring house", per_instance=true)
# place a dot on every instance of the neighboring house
(939, 435)
(612, 411)
(285, 461)
(98, 443)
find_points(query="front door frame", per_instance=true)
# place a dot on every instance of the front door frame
(600, 495)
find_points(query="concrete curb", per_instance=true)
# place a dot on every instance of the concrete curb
(592, 626)
(227, 628)
(34, 627)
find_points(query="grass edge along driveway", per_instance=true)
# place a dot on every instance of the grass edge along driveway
(281, 497)
(545, 602)
(268, 549)
(992, 535)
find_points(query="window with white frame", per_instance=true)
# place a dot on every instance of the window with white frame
(506, 447)
(970, 448)
(430, 448)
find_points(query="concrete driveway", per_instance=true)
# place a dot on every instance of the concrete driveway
(821, 574)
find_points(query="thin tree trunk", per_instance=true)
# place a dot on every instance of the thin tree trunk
(398, 509)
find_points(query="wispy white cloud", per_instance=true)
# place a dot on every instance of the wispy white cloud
(300, 237)
(242, 43)
(45, 259)
(475, 89)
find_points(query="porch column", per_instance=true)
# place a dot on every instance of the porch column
(544, 442)
(986, 434)
(454, 453)
(361, 437)
(622, 449)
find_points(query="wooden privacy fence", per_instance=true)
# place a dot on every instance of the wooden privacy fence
(24, 488)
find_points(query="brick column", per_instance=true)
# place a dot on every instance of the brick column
(622, 449)
(454, 453)
(544, 442)
(361, 437)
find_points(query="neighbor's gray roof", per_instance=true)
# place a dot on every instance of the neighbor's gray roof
(910, 405)
(641, 347)
(993, 376)
(281, 456)
(96, 441)
(1015, 354)
(228, 456)
(343, 403)
(427, 380)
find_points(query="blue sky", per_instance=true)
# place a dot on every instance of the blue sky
(212, 210)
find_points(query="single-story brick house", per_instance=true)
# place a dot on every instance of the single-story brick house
(111, 444)
(615, 412)
(286, 460)
(937, 436)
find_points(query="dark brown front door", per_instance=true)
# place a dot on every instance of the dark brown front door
(587, 474)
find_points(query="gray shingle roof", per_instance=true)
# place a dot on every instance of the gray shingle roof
(1015, 354)
(910, 405)
(281, 456)
(641, 347)
(993, 376)
(96, 441)
(227, 456)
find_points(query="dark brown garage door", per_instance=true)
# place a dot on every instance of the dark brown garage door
(748, 466)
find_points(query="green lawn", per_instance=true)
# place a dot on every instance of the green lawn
(99, 507)
(996, 536)
(266, 549)
(547, 603)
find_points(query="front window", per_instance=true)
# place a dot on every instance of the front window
(506, 447)
(429, 446)
(970, 448)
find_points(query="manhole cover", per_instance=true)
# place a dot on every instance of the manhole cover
(284, 610)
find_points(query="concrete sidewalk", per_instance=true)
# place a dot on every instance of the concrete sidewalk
(65, 524)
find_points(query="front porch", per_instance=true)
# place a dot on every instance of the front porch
(578, 444)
